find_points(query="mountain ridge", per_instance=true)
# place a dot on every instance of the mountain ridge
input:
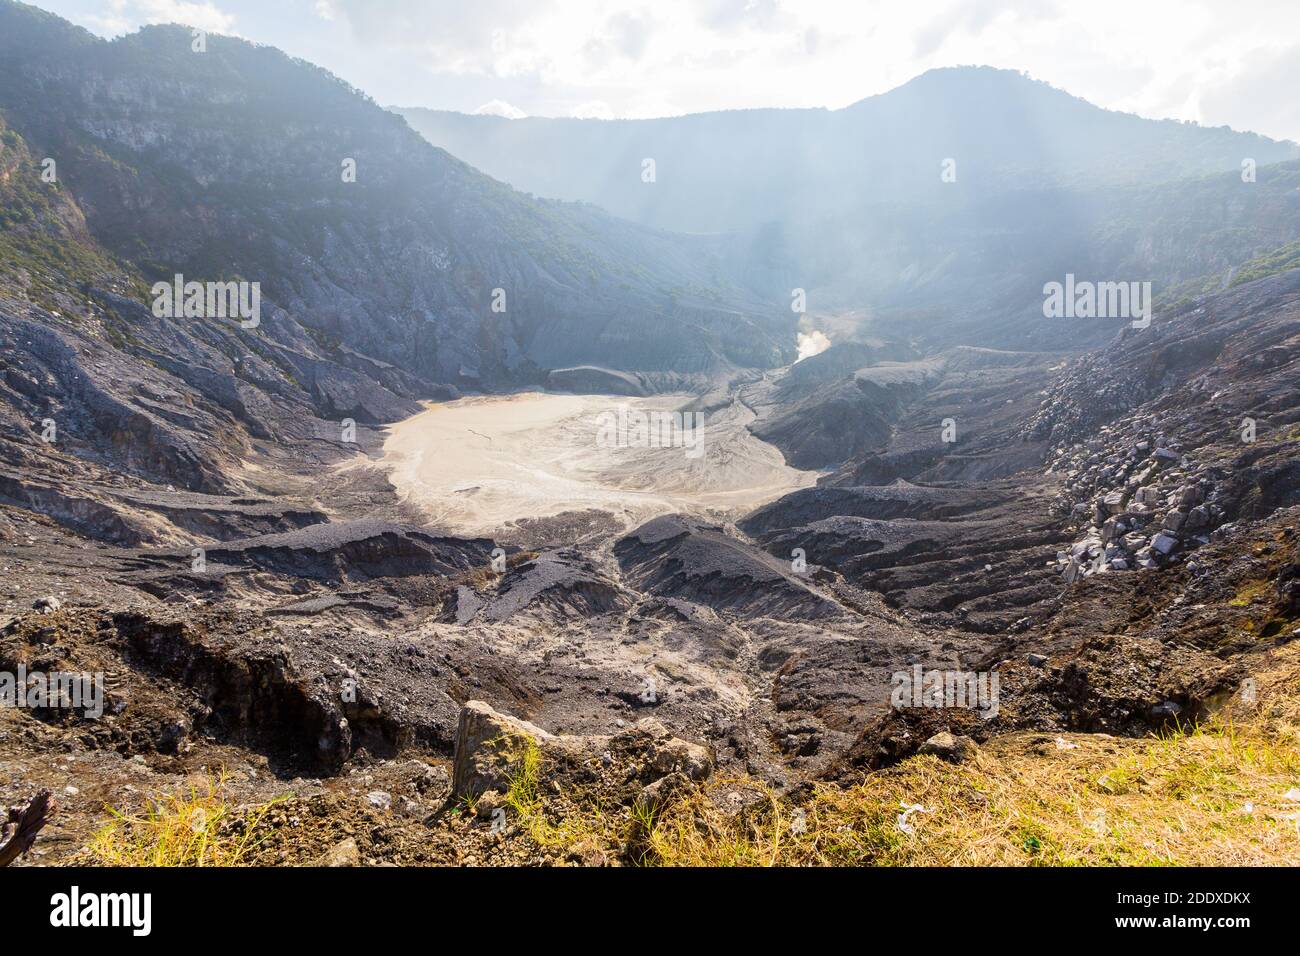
(949, 112)
(209, 184)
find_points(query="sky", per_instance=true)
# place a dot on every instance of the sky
(1217, 62)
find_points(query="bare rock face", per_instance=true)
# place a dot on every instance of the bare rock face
(661, 753)
(345, 853)
(559, 582)
(953, 748)
(491, 749)
(655, 796)
(23, 824)
(342, 550)
(674, 556)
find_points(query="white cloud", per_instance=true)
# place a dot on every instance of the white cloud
(500, 108)
(1218, 61)
(123, 16)
(1250, 99)
(203, 15)
(108, 25)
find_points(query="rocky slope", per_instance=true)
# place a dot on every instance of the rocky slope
(1100, 530)
(230, 163)
(1165, 439)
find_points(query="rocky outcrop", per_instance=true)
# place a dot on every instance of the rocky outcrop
(494, 750)
(946, 746)
(23, 824)
(491, 749)
(676, 556)
(352, 550)
(560, 583)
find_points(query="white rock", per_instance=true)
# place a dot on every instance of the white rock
(1164, 543)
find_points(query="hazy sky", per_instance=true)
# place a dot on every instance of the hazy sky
(1214, 61)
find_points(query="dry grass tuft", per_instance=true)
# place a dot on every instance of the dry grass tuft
(197, 827)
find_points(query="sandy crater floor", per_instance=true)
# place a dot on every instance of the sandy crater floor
(477, 464)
